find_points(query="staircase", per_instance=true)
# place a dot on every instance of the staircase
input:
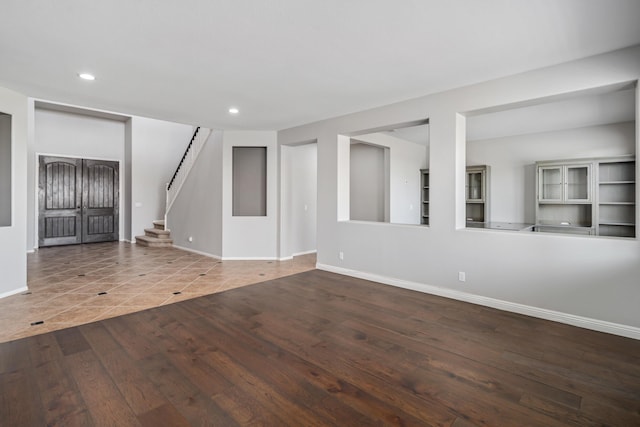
(156, 237)
(159, 235)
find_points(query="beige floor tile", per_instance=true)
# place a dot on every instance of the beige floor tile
(120, 311)
(77, 315)
(64, 283)
(108, 300)
(147, 300)
(69, 300)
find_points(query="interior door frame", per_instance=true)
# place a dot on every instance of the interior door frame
(36, 193)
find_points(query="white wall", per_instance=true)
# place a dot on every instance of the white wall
(585, 280)
(72, 135)
(76, 135)
(406, 158)
(197, 210)
(157, 147)
(367, 192)
(250, 237)
(5, 170)
(512, 161)
(300, 173)
(13, 251)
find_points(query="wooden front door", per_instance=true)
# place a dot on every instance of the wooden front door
(78, 201)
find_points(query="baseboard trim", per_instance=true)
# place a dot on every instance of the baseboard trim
(290, 257)
(197, 252)
(312, 251)
(541, 313)
(226, 258)
(14, 292)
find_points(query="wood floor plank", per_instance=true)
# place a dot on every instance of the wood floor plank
(195, 406)
(165, 415)
(20, 403)
(247, 410)
(320, 349)
(42, 349)
(61, 399)
(14, 356)
(71, 341)
(102, 398)
(135, 388)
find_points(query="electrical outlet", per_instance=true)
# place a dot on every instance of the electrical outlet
(462, 277)
(341, 256)
(190, 239)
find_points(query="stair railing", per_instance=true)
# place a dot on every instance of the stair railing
(200, 136)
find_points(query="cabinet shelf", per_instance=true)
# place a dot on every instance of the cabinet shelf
(623, 224)
(619, 203)
(616, 182)
(551, 202)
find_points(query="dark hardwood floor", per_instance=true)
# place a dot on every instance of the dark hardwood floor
(319, 349)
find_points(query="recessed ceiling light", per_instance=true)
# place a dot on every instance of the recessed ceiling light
(86, 76)
(233, 110)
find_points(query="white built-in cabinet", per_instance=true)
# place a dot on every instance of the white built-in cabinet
(616, 208)
(594, 196)
(477, 195)
(424, 196)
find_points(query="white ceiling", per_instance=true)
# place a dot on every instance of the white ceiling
(288, 62)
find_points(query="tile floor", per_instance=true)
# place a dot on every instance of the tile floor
(73, 285)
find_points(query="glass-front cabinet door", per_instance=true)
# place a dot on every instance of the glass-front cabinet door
(475, 190)
(564, 183)
(578, 179)
(551, 183)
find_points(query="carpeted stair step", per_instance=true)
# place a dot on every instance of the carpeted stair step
(154, 242)
(157, 233)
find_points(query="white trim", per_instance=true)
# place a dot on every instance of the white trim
(541, 313)
(312, 251)
(290, 257)
(31, 251)
(237, 258)
(14, 292)
(75, 156)
(197, 252)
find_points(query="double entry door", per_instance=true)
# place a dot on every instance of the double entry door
(78, 201)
